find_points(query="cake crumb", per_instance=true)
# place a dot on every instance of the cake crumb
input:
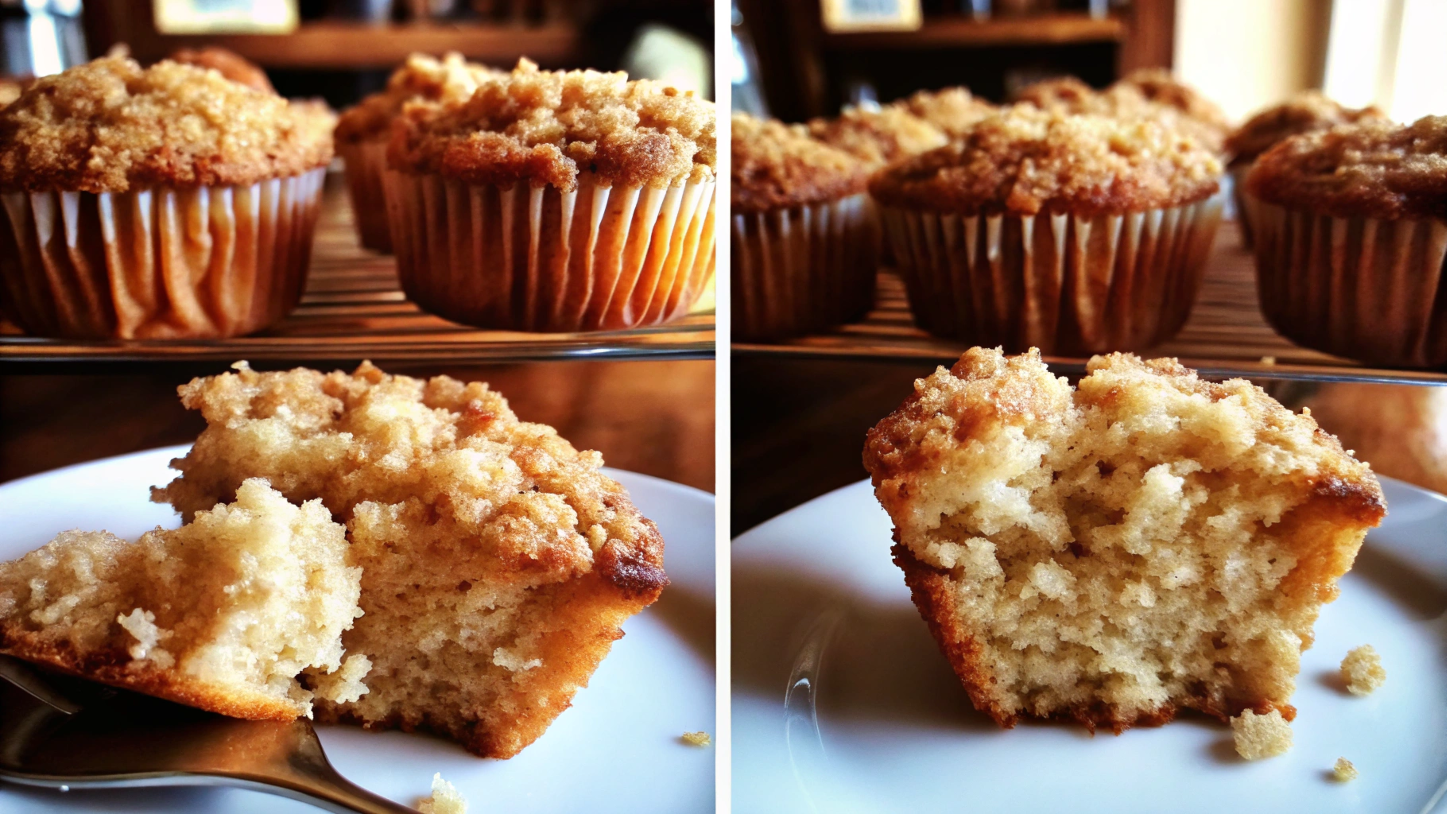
(699, 739)
(1362, 670)
(445, 798)
(1260, 736)
(1343, 771)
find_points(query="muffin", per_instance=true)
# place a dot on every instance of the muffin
(1129, 100)
(364, 130)
(1157, 85)
(1401, 430)
(805, 235)
(224, 613)
(1071, 233)
(953, 110)
(555, 201)
(229, 64)
(1350, 240)
(1305, 112)
(158, 203)
(878, 137)
(1114, 553)
(498, 562)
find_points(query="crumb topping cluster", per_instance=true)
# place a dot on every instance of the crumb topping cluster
(1157, 85)
(775, 166)
(548, 127)
(878, 137)
(1124, 100)
(421, 77)
(1305, 112)
(111, 126)
(1023, 160)
(1374, 169)
(953, 110)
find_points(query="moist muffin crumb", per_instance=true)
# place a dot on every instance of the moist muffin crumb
(1362, 670)
(111, 126)
(546, 127)
(877, 137)
(1371, 169)
(1343, 771)
(1260, 736)
(775, 166)
(1023, 160)
(1303, 113)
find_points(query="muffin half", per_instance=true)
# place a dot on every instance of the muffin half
(156, 203)
(555, 201)
(805, 241)
(1351, 240)
(1114, 553)
(1071, 233)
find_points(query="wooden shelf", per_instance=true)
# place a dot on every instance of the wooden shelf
(1225, 336)
(964, 32)
(353, 309)
(343, 45)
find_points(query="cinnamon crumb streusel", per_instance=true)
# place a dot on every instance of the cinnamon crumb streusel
(1121, 100)
(421, 77)
(111, 126)
(775, 166)
(229, 64)
(546, 127)
(878, 136)
(1372, 169)
(953, 110)
(1023, 160)
(1305, 112)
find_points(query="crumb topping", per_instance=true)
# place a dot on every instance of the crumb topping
(1157, 85)
(878, 137)
(421, 77)
(1371, 169)
(1305, 112)
(1121, 100)
(775, 166)
(1023, 161)
(547, 127)
(229, 64)
(1362, 670)
(111, 126)
(1260, 736)
(953, 110)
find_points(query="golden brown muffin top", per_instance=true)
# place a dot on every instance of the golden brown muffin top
(1023, 161)
(952, 110)
(546, 127)
(1121, 100)
(1157, 85)
(421, 77)
(110, 126)
(1372, 169)
(1303, 113)
(775, 166)
(230, 64)
(878, 137)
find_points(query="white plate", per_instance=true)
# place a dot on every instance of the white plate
(821, 612)
(617, 749)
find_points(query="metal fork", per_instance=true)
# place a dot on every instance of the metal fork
(65, 733)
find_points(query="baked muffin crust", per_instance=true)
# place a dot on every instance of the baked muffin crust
(878, 137)
(111, 126)
(952, 110)
(546, 127)
(1305, 112)
(229, 64)
(1157, 85)
(1024, 161)
(1372, 169)
(775, 166)
(421, 77)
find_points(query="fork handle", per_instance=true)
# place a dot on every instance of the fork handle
(333, 794)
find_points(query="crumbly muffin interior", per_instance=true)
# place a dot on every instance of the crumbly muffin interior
(1145, 542)
(239, 601)
(498, 562)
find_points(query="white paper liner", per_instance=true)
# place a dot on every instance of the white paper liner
(366, 165)
(162, 263)
(804, 269)
(1367, 289)
(537, 259)
(1060, 283)
(1243, 204)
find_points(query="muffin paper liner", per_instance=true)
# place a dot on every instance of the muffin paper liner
(1242, 201)
(1061, 283)
(537, 259)
(366, 166)
(160, 263)
(1367, 289)
(803, 269)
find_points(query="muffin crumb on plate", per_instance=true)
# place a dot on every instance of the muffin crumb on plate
(1261, 736)
(445, 798)
(1362, 670)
